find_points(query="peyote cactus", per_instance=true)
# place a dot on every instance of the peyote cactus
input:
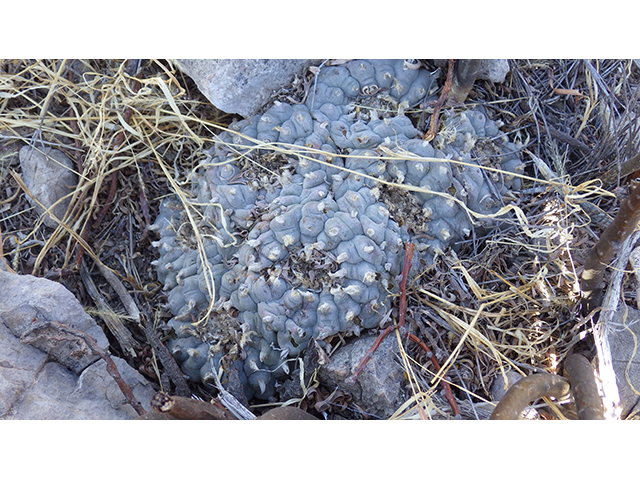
(312, 245)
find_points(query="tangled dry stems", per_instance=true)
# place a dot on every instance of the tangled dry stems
(503, 302)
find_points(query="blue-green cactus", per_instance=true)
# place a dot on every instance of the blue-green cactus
(317, 250)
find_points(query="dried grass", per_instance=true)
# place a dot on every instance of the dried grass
(514, 303)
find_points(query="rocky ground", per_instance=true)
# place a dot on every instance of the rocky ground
(83, 316)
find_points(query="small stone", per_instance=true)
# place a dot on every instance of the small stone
(489, 69)
(379, 386)
(242, 86)
(49, 176)
(493, 70)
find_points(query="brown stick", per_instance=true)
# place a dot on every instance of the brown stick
(402, 307)
(626, 168)
(448, 394)
(584, 388)
(624, 223)
(351, 380)
(181, 408)
(528, 390)
(166, 359)
(433, 124)
(565, 137)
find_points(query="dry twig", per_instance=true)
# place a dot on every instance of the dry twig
(465, 74)
(627, 168)
(584, 388)
(402, 310)
(433, 123)
(581, 381)
(625, 222)
(181, 408)
(166, 359)
(111, 319)
(527, 390)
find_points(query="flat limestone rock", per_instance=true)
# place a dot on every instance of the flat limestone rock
(25, 297)
(379, 386)
(48, 174)
(18, 367)
(242, 86)
(48, 373)
(56, 393)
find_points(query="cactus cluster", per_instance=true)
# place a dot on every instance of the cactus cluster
(311, 246)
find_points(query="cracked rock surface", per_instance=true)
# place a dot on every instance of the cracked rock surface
(47, 376)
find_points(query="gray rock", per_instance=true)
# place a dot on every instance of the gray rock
(4, 265)
(493, 70)
(32, 328)
(18, 366)
(34, 381)
(48, 173)
(379, 387)
(242, 86)
(25, 297)
(56, 393)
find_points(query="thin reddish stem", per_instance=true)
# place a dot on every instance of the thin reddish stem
(445, 384)
(402, 310)
(402, 307)
(408, 254)
(352, 379)
(433, 124)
